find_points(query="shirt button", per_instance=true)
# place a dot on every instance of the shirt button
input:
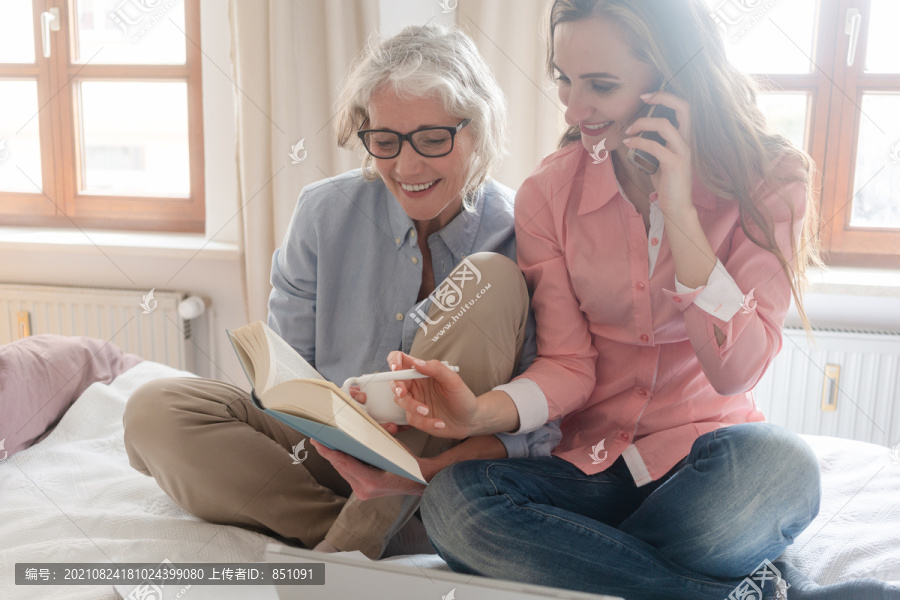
(645, 338)
(398, 240)
(399, 316)
(412, 233)
(677, 299)
(415, 260)
(654, 242)
(640, 286)
(624, 436)
(642, 392)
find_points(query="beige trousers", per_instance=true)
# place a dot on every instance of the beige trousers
(226, 461)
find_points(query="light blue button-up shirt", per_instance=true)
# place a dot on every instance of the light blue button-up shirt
(349, 271)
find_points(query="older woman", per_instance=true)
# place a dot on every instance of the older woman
(354, 280)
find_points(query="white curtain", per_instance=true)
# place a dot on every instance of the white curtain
(289, 59)
(511, 36)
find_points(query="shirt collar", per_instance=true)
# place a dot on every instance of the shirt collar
(600, 186)
(459, 234)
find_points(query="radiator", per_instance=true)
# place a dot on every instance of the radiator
(843, 384)
(135, 322)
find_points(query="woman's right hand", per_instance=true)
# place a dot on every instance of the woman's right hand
(441, 404)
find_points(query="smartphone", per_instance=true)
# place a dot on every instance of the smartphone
(643, 160)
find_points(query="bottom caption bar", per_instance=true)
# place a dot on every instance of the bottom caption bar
(170, 573)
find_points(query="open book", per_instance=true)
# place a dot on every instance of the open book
(291, 390)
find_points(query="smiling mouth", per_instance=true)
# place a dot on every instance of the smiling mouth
(597, 126)
(417, 187)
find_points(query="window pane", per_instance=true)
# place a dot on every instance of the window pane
(135, 138)
(772, 36)
(130, 32)
(20, 143)
(878, 203)
(16, 32)
(882, 55)
(787, 113)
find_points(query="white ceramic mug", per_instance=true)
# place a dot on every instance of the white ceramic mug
(380, 394)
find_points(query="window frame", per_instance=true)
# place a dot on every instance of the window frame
(832, 134)
(60, 204)
(843, 244)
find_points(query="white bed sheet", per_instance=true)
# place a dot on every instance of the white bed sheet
(74, 498)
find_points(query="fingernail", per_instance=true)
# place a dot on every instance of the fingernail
(440, 425)
(626, 140)
(422, 410)
(419, 362)
(398, 390)
(646, 96)
(393, 367)
(628, 130)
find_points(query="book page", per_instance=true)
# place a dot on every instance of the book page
(287, 364)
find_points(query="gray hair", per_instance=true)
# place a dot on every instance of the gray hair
(429, 61)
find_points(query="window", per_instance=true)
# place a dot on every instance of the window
(834, 75)
(101, 124)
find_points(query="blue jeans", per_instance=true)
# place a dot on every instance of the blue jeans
(737, 499)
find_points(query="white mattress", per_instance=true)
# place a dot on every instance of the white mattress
(73, 497)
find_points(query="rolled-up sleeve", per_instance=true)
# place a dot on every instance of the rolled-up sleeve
(292, 302)
(746, 299)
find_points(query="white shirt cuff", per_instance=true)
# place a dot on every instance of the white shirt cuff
(530, 401)
(721, 297)
(635, 463)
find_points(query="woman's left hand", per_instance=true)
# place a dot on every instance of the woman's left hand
(673, 179)
(368, 482)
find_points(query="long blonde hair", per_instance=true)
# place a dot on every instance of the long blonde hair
(733, 148)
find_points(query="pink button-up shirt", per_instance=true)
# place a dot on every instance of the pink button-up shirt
(626, 354)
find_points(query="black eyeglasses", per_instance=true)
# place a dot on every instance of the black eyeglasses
(428, 141)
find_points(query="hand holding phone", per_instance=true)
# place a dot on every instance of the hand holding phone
(643, 160)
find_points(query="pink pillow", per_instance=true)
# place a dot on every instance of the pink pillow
(41, 376)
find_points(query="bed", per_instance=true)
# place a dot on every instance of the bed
(73, 497)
